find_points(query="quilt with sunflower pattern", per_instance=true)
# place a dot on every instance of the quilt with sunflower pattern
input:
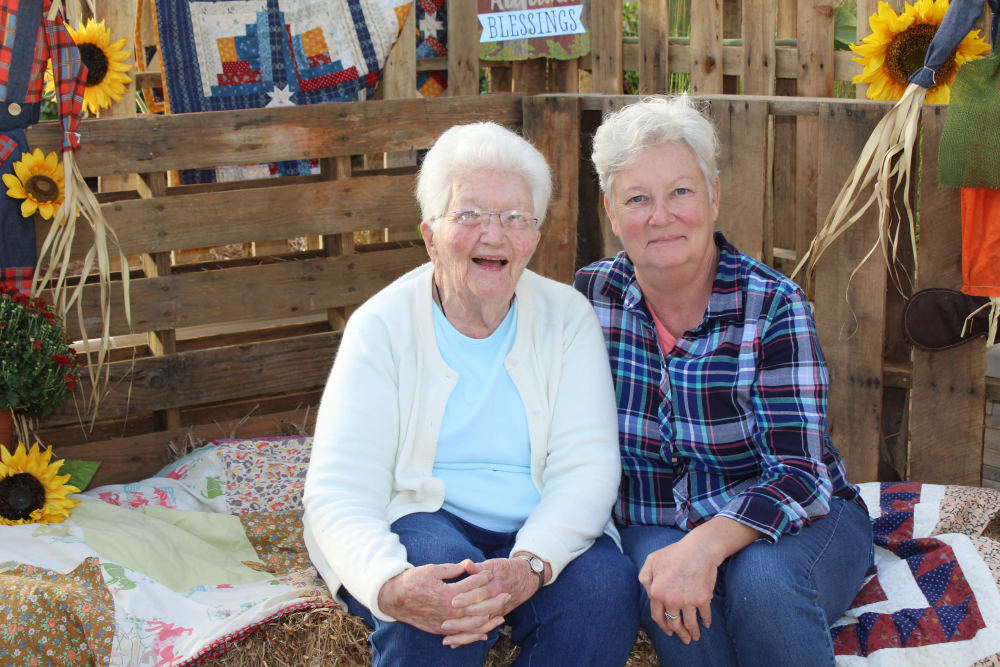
(174, 569)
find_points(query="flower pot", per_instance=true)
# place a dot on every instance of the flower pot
(7, 429)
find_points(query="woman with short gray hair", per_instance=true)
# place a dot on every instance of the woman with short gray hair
(734, 503)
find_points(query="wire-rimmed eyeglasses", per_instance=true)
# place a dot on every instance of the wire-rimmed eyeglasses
(512, 220)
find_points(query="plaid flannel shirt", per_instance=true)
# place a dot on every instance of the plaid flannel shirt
(731, 421)
(53, 41)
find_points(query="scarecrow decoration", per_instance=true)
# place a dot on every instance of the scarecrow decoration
(33, 37)
(929, 53)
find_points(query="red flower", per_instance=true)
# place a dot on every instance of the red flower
(63, 360)
(3, 325)
(37, 345)
(21, 299)
(70, 382)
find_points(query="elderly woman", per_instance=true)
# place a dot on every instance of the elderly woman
(734, 502)
(465, 459)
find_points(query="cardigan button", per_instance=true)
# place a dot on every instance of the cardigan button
(14, 109)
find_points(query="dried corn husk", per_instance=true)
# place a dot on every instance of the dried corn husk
(79, 202)
(884, 165)
(994, 320)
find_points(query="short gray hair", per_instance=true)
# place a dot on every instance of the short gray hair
(479, 146)
(652, 122)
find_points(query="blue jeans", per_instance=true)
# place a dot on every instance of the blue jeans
(773, 603)
(585, 617)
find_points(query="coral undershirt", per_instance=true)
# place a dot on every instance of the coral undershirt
(667, 339)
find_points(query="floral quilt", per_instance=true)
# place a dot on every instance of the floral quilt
(174, 569)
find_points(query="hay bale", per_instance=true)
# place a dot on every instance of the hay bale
(330, 636)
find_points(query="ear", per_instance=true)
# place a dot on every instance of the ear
(611, 216)
(427, 232)
(716, 198)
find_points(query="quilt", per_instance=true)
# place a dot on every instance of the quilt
(174, 569)
(244, 54)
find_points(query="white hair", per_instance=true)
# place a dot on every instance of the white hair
(652, 122)
(476, 147)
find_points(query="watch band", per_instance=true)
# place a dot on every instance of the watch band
(536, 564)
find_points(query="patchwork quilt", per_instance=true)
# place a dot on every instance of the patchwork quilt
(172, 570)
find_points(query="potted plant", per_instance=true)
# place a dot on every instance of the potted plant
(38, 368)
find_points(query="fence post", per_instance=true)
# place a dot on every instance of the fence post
(552, 124)
(463, 48)
(606, 46)
(758, 47)
(706, 47)
(654, 46)
(948, 395)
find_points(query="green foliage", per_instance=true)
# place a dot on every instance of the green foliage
(80, 472)
(38, 368)
(845, 28)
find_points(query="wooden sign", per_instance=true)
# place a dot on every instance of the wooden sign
(524, 29)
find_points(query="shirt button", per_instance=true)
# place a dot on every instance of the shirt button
(14, 109)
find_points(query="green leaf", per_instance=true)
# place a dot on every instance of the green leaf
(80, 472)
(845, 29)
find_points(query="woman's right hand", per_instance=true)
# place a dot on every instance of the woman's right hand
(420, 597)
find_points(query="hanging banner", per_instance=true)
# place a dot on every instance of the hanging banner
(524, 29)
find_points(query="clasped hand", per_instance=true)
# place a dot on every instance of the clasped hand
(463, 611)
(680, 581)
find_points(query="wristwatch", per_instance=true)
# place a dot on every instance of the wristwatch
(537, 565)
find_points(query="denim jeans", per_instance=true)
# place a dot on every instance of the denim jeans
(773, 603)
(588, 616)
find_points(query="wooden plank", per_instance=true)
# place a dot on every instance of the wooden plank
(706, 47)
(742, 161)
(194, 140)
(207, 219)
(947, 401)
(552, 124)
(338, 245)
(399, 79)
(502, 79)
(131, 459)
(654, 35)
(217, 374)
(463, 49)
(850, 330)
(732, 28)
(564, 75)
(758, 47)
(606, 46)
(864, 10)
(530, 76)
(268, 291)
(119, 17)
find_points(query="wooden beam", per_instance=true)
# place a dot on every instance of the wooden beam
(759, 59)
(850, 317)
(654, 35)
(195, 140)
(463, 48)
(552, 124)
(606, 46)
(706, 47)
(947, 401)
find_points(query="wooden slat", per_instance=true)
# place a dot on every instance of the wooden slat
(758, 47)
(286, 211)
(502, 79)
(564, 75)
(268, 291)
(129, 459)
(654, 34)
(947, 401)
(850, 332)
(742, 128)
(338, 245)
(194, 140)
(553, 125)
(530, 76)
(217, 374)
(606, 46)
(463, 49)
(399, 76)
(706, 46)
(119, 17)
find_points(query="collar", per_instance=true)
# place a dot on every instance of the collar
(725, 303)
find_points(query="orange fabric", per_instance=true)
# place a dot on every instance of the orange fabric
(981, 242)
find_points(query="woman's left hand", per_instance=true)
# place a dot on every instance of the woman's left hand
(680, 580)
(514, 576)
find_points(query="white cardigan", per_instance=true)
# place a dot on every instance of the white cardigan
(379, 418)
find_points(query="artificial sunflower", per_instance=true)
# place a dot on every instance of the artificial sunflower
(896, 47)
(106, 78)
(31, 490)
(38, 180)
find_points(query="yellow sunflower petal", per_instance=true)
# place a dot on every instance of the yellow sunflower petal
(28, 207)
(14, 187)
(21, 168)
(46, 209)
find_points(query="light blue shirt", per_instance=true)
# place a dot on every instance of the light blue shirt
(484, 453)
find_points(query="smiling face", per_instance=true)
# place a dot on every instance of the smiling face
(661, 210)
(476, 264)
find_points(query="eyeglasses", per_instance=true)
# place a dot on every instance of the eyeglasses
(511, 220)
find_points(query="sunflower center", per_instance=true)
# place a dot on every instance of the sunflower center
(42, 188)
(20, 495)
(96, 61)
(907, 50)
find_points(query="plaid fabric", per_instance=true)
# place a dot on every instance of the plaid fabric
(19, 279)
(732, 420)
(53, 41)
(7, 146)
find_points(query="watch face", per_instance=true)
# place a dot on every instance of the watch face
(536, 564)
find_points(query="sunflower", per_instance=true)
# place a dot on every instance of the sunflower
(38, 180)
(896, 47)
(106, 78)
(31, 491)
